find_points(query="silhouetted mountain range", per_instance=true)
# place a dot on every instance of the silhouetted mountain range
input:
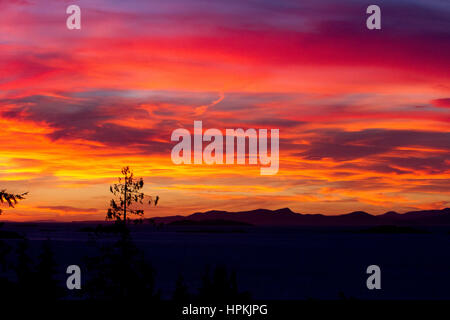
(286, 217)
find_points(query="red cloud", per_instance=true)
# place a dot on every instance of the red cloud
(441, 103)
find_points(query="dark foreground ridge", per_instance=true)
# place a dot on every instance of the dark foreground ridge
(286, 217)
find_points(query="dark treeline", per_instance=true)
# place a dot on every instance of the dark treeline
(27, 277)
(119, 271)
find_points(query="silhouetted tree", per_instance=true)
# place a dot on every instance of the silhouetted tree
(128, 191)
(24, 268)
(181, 293)
(120, 272)
(46, 285)
(7, 287)
(35, 281)
(10, 199)
(221, 287)
(5, 249)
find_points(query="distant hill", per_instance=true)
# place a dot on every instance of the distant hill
(286, 217)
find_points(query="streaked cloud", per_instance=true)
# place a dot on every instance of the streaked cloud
(363, 116)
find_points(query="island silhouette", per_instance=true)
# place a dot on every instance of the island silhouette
(287, 217)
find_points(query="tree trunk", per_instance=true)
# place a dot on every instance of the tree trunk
(125, 204)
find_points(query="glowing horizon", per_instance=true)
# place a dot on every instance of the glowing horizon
(363, 115)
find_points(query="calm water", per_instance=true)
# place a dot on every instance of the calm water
(277, 263)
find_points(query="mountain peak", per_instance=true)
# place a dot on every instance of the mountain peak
(390, 214)
(284, 210)
(358, 214)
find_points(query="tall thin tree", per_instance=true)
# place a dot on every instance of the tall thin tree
(128, 191)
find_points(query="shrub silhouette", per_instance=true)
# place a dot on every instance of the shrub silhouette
(47, 286)
(36, 280)
(24, 268)
(5, 249)
(221, 287)
(7, 287)
(120, 272)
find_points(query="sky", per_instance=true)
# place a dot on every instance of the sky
(363, 115)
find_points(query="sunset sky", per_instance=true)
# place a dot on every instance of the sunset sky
(364, 115)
